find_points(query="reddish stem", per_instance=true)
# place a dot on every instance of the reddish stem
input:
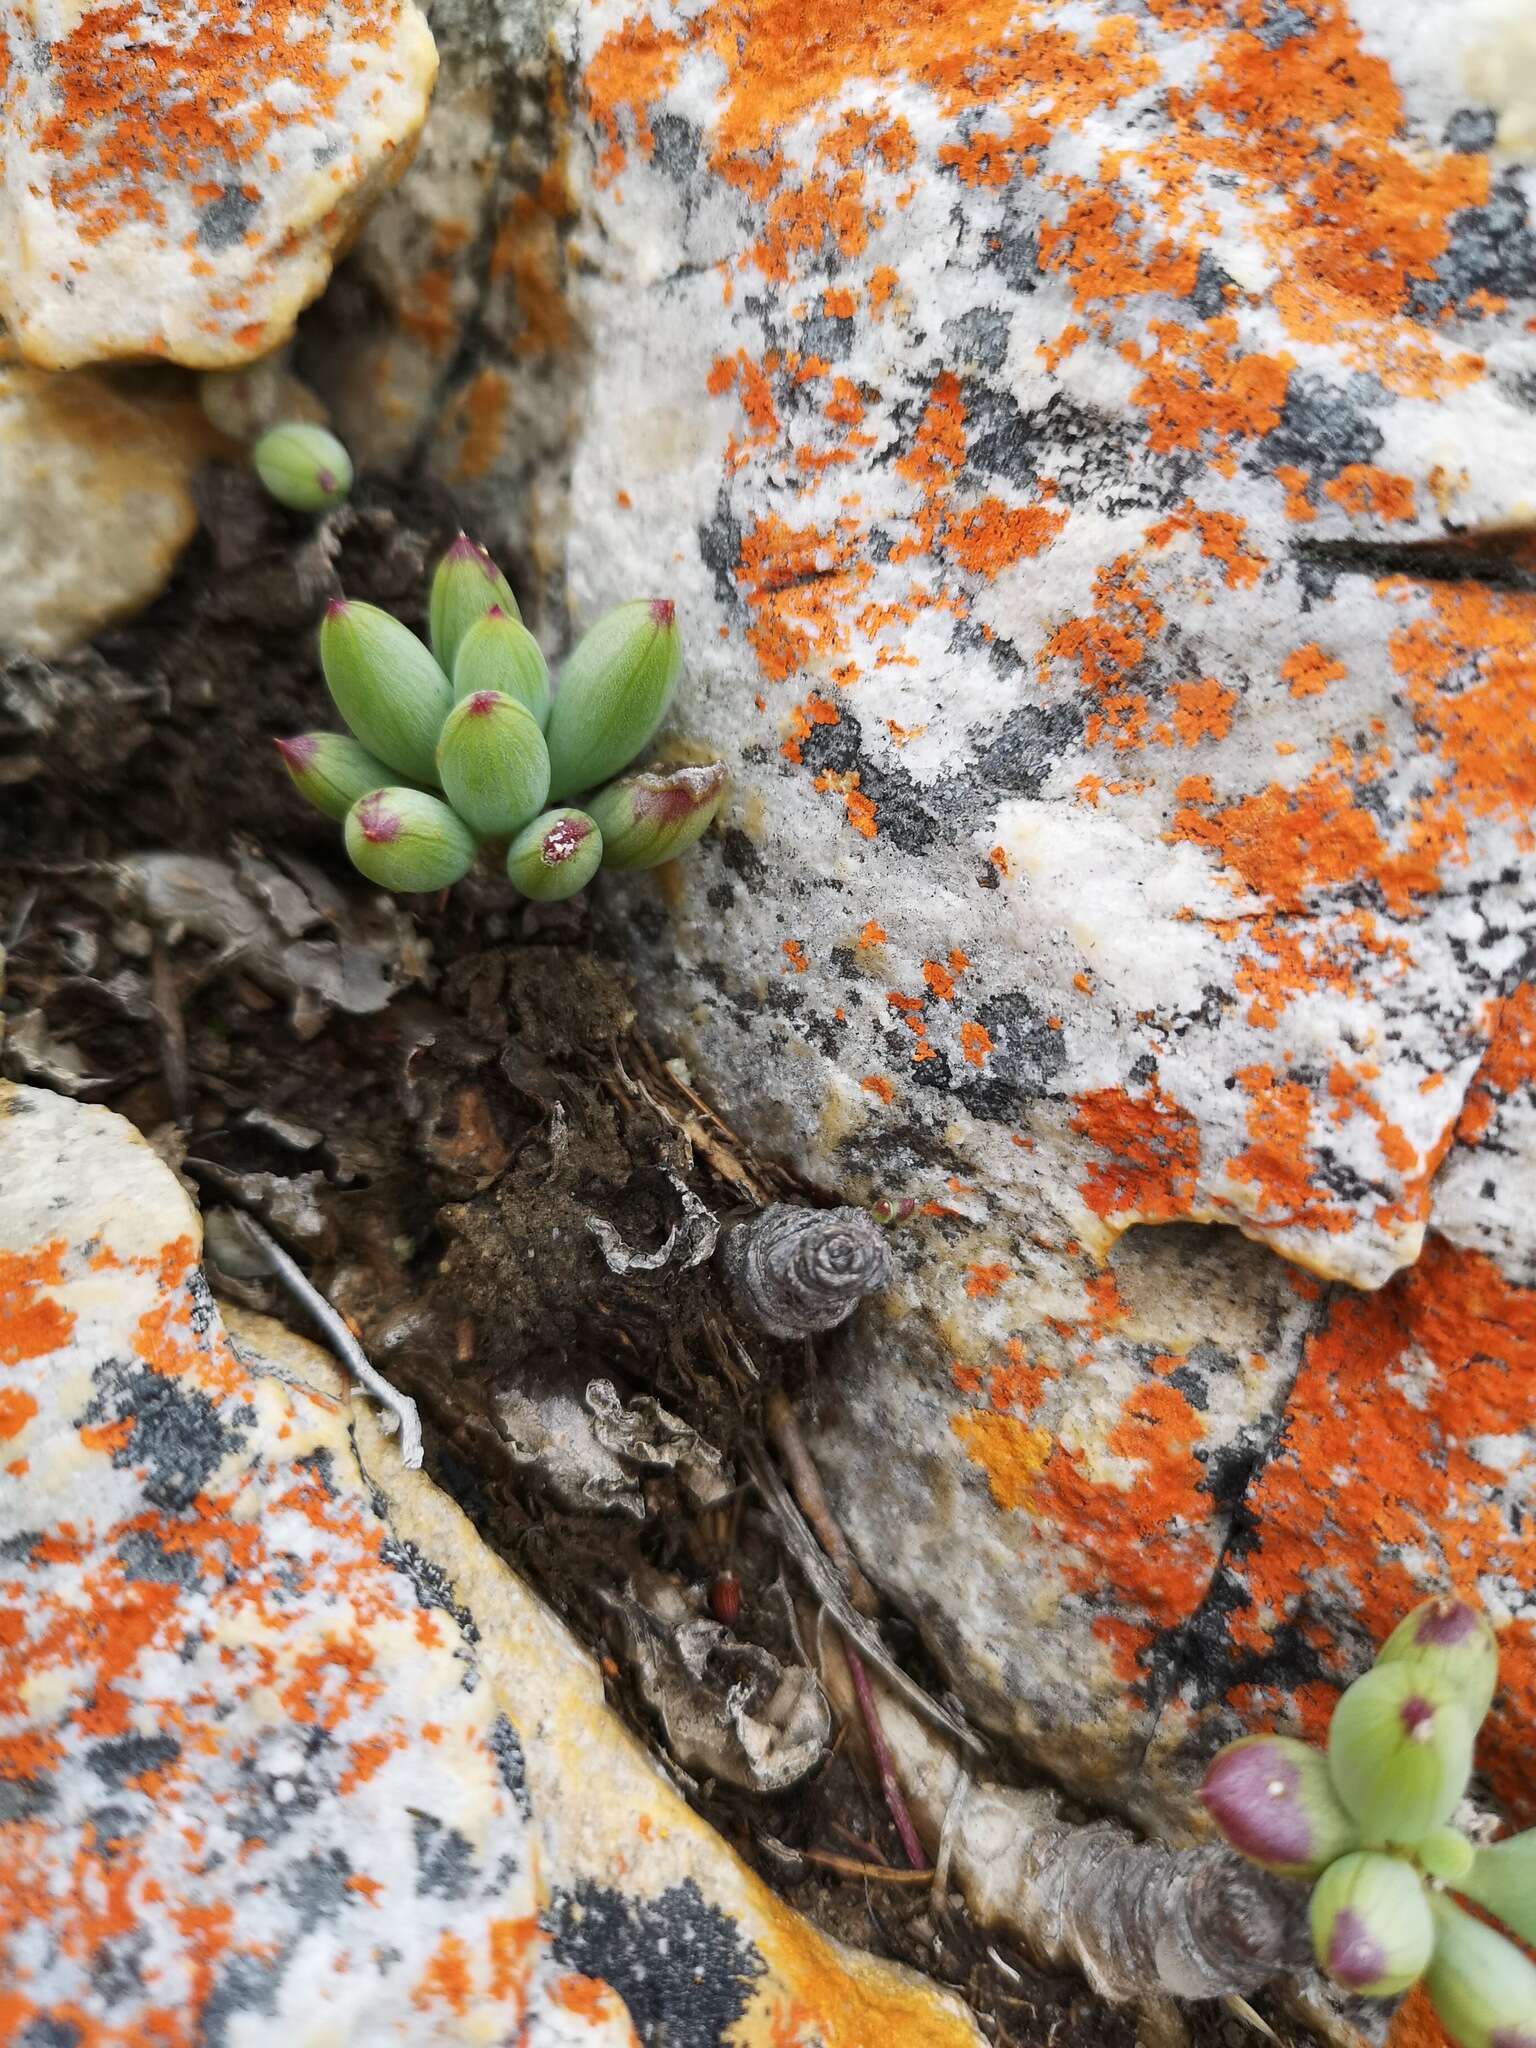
(885, 1764)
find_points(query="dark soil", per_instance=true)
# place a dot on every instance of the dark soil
(432, 1165)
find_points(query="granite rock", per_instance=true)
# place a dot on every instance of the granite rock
(1091, 451)
(95, 501)
(284, 1750)
(176, 181)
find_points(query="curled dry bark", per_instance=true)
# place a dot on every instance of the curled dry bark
(1138, 1919)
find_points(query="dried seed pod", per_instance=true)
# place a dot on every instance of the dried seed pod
(794, 1272)
(725, 1599)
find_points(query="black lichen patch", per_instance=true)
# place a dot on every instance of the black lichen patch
(902, 819)
(433, 1586)
(445, 1862)
(1033, 739)
(142, 1555)
(679, 1964)
(1321, 428)
(978, 335)
(178, 1435)
(128, 1756)
(226, 220)
(318, 1886)
(508, 1752)
(1490, 249)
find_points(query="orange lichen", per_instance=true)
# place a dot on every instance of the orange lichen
(1379, 1471)
(1153, 1153)
(992, 536)
(1309, 671)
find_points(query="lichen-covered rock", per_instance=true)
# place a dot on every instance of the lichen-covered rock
(95, 502)
(1092, 452)
(176, 179)
(284, 1750)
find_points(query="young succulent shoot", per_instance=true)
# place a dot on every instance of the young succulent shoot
(647, 819)
(1371, 1928)
(1399, 1752)
(614, 691)
(499, 653)
(468, 717)
(1453, 1643)
(1502, 1877)
(493, 763)
(465, 585)
(555, 856)
(1370, 1824)
(386, 686)
(1482, 1986)
(408, 841)
(303, 466)
(332, 770)
(1273, 1800)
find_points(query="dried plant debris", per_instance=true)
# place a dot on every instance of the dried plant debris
(728, 1709)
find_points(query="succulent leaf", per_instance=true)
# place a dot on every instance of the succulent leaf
(555, 855)
(649, 818)
(1399, 1752)
(1503, 1878)
(493, 763)
(331, 770)
(303, 466)
(1274, 1802)
(1447, 1854)
(1371, 1926)
(386, 686)
(1453, 1641)
(408, 841)
(499, 653)
(614, 691)
(1481, 1985)
(465, 585)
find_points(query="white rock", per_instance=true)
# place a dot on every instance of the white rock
(177, 183)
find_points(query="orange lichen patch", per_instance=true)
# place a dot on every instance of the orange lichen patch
(1378, 1488)
(1153, 1153)
(878, 1086)
(803, 720)
(1283, 959)
(1202, 711)
(941, 979)
(1369, 493)
(477, 419)
(1509, 1063)
(527, 252)
(872, 934)
(623, 77)
(992, 536)
(1309, 671)
(1195, 385)
(981, 1282)
(1221, 538)
(31, 1324)
(1283, 842)
(796, 582)
(975, 1043)
(16, 1411)
(134, 114)
(794, 953)
(1470, 674)
(1010, 1452)
(1277, 1161)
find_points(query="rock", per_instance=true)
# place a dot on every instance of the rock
(95, 502)
(282, 1745)
(449, 336)
(1092, 455)
(184, 193)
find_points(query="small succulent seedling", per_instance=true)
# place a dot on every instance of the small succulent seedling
(459, 746)
(303, 466)
(1369, 1822)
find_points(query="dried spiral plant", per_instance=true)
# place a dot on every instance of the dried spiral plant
(795, 1272)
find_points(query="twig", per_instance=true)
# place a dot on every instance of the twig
(885, 1765)
(823, 1578)
(952, 1812)
(173, 1035)
(805, 1481)
(852, 1866)
(402, 1409)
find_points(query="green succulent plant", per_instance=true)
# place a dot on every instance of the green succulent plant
(459, 746)
(1369, 1822)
